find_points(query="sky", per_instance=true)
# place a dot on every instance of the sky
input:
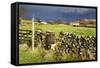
(56, 13)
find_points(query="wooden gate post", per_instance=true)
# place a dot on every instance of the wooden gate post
(32, 34)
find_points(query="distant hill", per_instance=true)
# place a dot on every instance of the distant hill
(84, 23)
(88, 21)
(24, 21)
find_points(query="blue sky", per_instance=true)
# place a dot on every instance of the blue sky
(55, 12)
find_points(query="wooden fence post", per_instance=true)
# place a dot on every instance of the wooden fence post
(32, 34)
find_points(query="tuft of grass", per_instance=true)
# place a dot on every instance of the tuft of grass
(40, 55)
(27, 56)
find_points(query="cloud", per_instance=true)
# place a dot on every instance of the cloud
(55, 12)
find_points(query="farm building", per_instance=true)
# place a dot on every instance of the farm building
(83, 22)
(43, 22)
(75, 23)
(88, 21)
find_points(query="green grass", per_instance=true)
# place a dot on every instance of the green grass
(28, 27)
(28, 56)
(64, 28)
(67, 28)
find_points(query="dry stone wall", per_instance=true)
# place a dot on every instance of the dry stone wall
(68, 43)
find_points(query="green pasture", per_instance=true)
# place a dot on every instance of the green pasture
(27, 56)
(64, 28)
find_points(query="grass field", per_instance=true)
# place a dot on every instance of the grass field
(39, 56)
(27, 56)
(64, 28)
